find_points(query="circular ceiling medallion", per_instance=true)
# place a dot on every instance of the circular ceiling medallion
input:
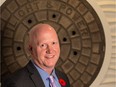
(79, 29)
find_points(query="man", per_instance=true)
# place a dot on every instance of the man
(40, 71)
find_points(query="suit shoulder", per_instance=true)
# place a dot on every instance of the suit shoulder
(60, 72)
(17, 76)
(20, 73)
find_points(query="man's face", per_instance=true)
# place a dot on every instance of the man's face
(46, 49)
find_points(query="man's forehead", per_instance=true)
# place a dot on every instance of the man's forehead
(41, 27)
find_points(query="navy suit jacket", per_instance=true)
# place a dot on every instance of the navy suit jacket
(30, 77)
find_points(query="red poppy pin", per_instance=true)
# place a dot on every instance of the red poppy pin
(62, 82)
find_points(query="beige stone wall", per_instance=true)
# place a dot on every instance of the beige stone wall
(107, 14)
(106, 10)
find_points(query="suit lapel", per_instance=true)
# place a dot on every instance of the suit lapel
(59, 76)
(62, 78)
(37, 80)
(35, 76)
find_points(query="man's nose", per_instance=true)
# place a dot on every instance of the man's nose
(49, 49)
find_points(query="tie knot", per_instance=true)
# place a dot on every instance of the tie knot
(51, 78)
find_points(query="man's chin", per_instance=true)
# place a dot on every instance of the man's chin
(50, 66)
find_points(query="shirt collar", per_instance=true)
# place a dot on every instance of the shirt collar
(44, 74)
